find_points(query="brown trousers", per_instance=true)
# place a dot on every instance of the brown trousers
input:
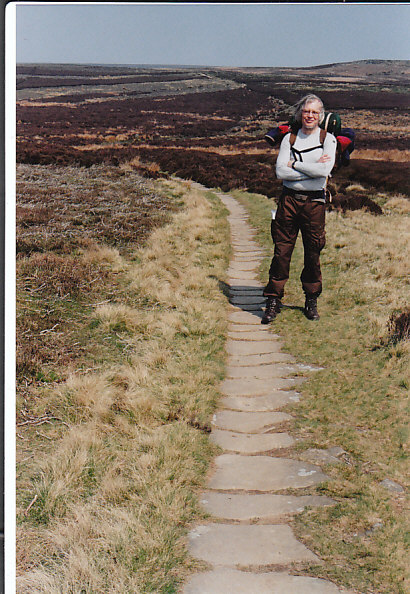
(294, 214)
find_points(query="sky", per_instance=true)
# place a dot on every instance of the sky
(211, 34)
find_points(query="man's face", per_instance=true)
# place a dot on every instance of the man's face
(310, 115)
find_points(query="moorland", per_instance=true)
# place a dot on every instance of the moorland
(121, 323)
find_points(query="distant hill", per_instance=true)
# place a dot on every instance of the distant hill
(361, 70)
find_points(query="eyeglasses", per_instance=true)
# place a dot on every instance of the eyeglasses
(311, 112)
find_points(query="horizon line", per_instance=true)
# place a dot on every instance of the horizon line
(167, 65)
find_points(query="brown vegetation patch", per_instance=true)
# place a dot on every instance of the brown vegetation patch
(345, 202)
(399, 326)
(382, 175)
(338, 99)
(63, 216)
(50, 288)
(57, 275)
(69, 81)
(61, 209)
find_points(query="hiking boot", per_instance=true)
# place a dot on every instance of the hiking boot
(273, 306)
(310, 309)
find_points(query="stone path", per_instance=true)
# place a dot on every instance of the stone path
(247, 535)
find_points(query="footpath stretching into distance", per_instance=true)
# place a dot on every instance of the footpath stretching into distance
(247, 536)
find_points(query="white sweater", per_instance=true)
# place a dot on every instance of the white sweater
(307, 173)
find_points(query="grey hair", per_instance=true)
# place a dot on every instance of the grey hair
(297, 108)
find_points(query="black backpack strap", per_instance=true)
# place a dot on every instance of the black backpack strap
(295, 152)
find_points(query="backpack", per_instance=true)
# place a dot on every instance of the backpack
(332, 123)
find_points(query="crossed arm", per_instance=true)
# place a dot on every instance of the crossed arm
(292, 170)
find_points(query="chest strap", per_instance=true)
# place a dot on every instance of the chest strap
(292, 141)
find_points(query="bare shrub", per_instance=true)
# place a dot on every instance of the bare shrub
(399, 326)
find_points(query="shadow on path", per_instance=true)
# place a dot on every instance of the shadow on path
(249, 298)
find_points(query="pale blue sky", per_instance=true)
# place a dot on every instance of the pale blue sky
(248, 34)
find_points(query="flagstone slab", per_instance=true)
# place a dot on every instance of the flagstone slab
(263, 473)
(259, 328)
(241, 275)
(248, 443)
(259, 334)
(230, 544)
(245, 296)
(241, 347)
(233, 581)
(243, 265)
(244, 247)
(256, 386)
(247, 299)
(238, 271)
(256, 506)
(245, 317)
(239, 239)
(259, 359)
(260, 371)
(270, 402)
(240, 284)
(248, 289)
(244, 257)
(249, 253)
(248, 422)
(254, 307)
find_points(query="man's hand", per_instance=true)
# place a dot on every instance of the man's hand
(290, 163)
(323, 159)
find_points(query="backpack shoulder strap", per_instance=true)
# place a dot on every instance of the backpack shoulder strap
(322, 137)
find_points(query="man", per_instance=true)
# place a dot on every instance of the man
(304, 162)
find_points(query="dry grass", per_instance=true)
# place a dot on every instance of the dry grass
(151, 167)
(387, 155)
(112, 475)
(376, 121)
(398, 204)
